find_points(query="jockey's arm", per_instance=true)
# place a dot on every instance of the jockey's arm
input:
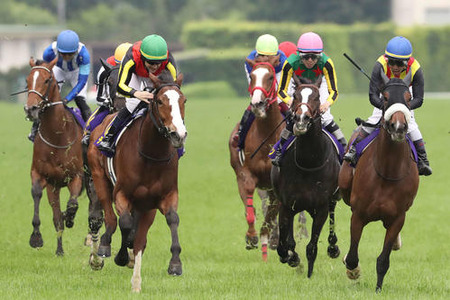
(375, 86)
(417, 89)
(283, 87)
(330, 75)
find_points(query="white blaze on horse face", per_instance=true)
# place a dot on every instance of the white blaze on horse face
(305, 95)
(177, 120)
(35, 77)
(257, 93)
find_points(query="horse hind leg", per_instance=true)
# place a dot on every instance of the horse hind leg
(251, 237)
(95, 221)
(58, 219)
(333, 249)
(351, 260)
(36, 240)
(75, 187)
(270, 226)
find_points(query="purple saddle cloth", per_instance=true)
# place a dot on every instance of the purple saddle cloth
(75, 111)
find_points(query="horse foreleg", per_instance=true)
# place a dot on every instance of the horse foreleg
(58, 220)
(392, 232)
(351, 260)
(270, 209)
(175, 262)
(140, 241)
(126, 226)
(36, 240)
(319, 218)
(333, 249)
(75, 187)
(286, 244)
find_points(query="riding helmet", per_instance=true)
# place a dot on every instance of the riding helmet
(267, 44)
(310, 42)
(120, 52)
(67, 41)
(398, 47)
(154, 48)
(288, 48)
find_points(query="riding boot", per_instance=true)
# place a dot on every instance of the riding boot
(34, 130)
(239, 136)
(423, 163)
(285, 135)
(334, 129)
(82, 105)
(350, 156)
(106, 143)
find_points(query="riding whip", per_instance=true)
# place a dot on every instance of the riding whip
(265, 140)
(356, 65)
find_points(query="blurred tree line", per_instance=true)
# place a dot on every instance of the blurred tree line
(118, 20)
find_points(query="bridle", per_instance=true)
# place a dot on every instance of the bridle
(271, 94)
(316, 112)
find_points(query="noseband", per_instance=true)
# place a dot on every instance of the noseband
(271, 94)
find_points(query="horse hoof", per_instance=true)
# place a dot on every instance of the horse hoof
(294, 260)
(36, 240)
(104, 251)
(96, 262)
(175, 269)
(122, 261)
(333, 251)
(251, 242)
(354, 274)
(59, 252)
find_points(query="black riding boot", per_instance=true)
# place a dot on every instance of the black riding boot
(334, 129)
(285, 135)
(239, 136)
(34, 130)
(106, 143)
(87, 132)
(350, 156)
(82, 105)
(423, 164)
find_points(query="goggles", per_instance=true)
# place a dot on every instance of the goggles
(397, 62)
(312, 56)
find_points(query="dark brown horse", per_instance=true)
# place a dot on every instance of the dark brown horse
(252, 165)
(384, 183)
(141, 179)
(57, 158)
(307, 179)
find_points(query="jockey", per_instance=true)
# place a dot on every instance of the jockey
(147, 56)
(266, 45)
(397, 61)
(102, 93)
(73, 65)
(310, 62)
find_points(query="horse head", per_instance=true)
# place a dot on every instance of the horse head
(110, 85)
(263, 84)
(42, 89)
(167, 108)
(397, 114)
(306, 104)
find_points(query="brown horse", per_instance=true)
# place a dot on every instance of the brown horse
(384, 183)
(57, 158)
(141, 179)
(307, 178)
(252, 165)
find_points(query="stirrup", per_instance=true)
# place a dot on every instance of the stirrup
(350, 156)
(105, 146)
(276, 160)
(424, 169)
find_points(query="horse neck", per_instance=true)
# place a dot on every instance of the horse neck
(312, 148)
(150, 141)
(392, 158)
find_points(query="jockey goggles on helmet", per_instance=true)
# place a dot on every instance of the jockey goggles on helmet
(306, 56)
(397, 62)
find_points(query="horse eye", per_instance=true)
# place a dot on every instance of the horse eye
(159, 101)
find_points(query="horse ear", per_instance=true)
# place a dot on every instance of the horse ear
(251, 62)
(275, 60)
(154, 79)
(384, 76)
(318, 81)
(407, 79)
(53, 63)
(32, 62)
(296, 80)
(179, 80)
(105, 65)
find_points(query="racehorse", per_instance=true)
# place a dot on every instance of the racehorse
(385, 181)
(141, 179)
(57, 158)
(252, 164)
(307, 178)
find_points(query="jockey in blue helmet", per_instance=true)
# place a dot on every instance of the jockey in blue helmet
(397, 61)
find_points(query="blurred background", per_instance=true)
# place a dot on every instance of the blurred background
(211, 38)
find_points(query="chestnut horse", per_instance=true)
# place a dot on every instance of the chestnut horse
(57, 158)
(307, 178)
(252, 164)
(385, 181)
(141, 179)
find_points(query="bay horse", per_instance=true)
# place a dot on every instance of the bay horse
(385, 181)
(57, 155)
(252, 165)
(140, 179)
(307, 178)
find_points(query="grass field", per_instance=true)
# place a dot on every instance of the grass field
(212, 225)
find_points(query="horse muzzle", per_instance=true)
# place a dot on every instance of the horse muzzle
(301, 125)
(31, 112)
(397, 131)
(259, 109)
(177, 139)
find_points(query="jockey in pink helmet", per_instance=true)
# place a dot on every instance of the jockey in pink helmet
(310, 62)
